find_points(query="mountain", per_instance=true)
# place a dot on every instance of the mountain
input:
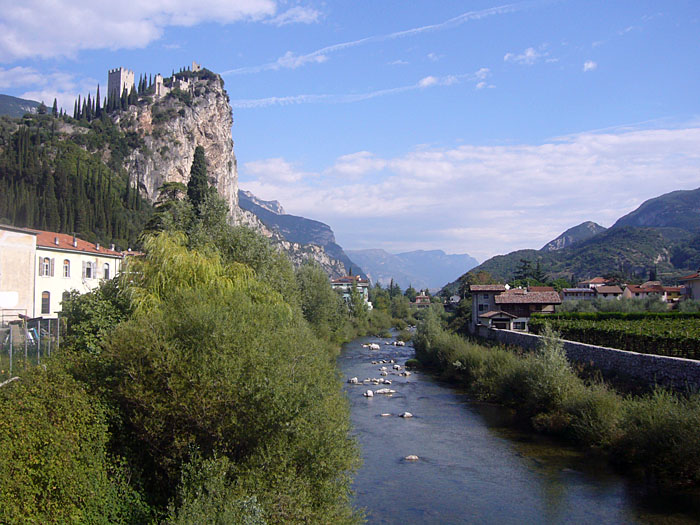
(663, 233)
(297, 229)
(582, 232)
(420, 269)
(97, 172)
(678, 209)
(16, 107)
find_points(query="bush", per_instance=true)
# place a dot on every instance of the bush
(54, 466)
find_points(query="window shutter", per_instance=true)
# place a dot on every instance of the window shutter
(41, 266)
(52, 261)
(84, 266)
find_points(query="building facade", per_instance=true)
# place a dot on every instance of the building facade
(344, 286)
(118, 79)
(38, 268)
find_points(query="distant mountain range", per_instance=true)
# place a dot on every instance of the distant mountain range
(420, 269)
(16, 107)
(662, 234)
(296, 229)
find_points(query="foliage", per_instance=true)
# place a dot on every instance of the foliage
(323, 308)
(54, 466)
(656, 433)
(217, 360)
(54, 184)
(198, 183)
(668, 333)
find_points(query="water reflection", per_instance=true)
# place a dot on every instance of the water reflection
(474, 466)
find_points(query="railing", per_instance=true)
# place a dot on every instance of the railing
(26, 342)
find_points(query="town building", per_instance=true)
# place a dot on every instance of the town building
(577, 294)
(692, 285)
(344, 286)
(608, 292)
(38, 268)
(594, 283)
(483, 299)
(422, 301)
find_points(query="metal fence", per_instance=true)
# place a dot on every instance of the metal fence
(26, 342)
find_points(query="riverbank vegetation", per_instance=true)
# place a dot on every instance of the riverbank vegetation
(655, 433)
(200, 386)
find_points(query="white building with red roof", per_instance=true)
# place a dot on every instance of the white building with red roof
(692, 283)
(38, 268)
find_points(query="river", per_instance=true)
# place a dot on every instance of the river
(474, 466)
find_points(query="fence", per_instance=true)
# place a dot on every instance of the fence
(26, 342)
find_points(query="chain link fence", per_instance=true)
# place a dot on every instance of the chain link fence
(25, 342)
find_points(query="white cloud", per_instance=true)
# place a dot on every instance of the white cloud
(64, 87)
(484, 200)
(433, 57)
(428, 81)
(275, 170)
(589, 65)
(296, 15)
(325, 51)
(527, 57)
(398, 62)
(52, 28)
(481, 85)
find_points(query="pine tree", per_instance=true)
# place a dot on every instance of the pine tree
(198, 185)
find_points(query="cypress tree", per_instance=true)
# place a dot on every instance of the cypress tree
(198, 185)
(54, 109)
(98, 109)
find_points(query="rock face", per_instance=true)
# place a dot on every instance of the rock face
(172, 127)
(579, 233)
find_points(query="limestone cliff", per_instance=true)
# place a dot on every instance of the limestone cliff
(192, 110)
(172, 126)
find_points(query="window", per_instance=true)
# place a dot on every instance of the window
(483, 307)
(46, 266)
(88, 270)
(485, 296)
(519, 325)
(66, 268)
(105, 271)
(45, 303)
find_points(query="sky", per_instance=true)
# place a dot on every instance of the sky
(475, 127)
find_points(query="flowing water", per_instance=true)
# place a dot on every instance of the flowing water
(474, 466)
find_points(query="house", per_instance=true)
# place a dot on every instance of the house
(38, 268)
(633, 291)
(594, 283)
(497, 306)
(422, 301)
(577, 294)
(608, 292)
(692, 285)
(483, 299)
(344, 286)
(523, 303)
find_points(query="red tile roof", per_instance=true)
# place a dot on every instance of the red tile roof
(487, 288)
(500, 313)
(608, 289)
(46, 239)
(540, 289)
(690, 277)
(597, 280)
(528, 298)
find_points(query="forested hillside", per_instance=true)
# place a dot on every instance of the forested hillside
(62, 174)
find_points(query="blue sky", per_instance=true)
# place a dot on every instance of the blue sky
(476, 127)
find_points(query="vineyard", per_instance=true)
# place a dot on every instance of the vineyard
(668, 334)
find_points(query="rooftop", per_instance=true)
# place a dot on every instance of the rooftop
(608, 289)
(63, 241)
(528, 298)
(487, 287)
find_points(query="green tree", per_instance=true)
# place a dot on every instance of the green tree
(198, 184)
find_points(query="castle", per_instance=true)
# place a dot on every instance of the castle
(121, 78)
(118, 80)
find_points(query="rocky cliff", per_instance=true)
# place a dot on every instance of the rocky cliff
(579, 233)
(172, 127)
(169, 129)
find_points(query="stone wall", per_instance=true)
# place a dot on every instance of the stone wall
(673, 372)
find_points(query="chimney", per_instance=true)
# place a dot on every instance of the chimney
(75, 241)
(97, 246)
(55, 241)
(111, 247)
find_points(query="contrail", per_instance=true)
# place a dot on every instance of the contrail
(292, 61)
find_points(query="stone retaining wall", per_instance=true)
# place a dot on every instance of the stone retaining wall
(673, 372)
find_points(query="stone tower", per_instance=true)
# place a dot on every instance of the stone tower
(119, 79)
